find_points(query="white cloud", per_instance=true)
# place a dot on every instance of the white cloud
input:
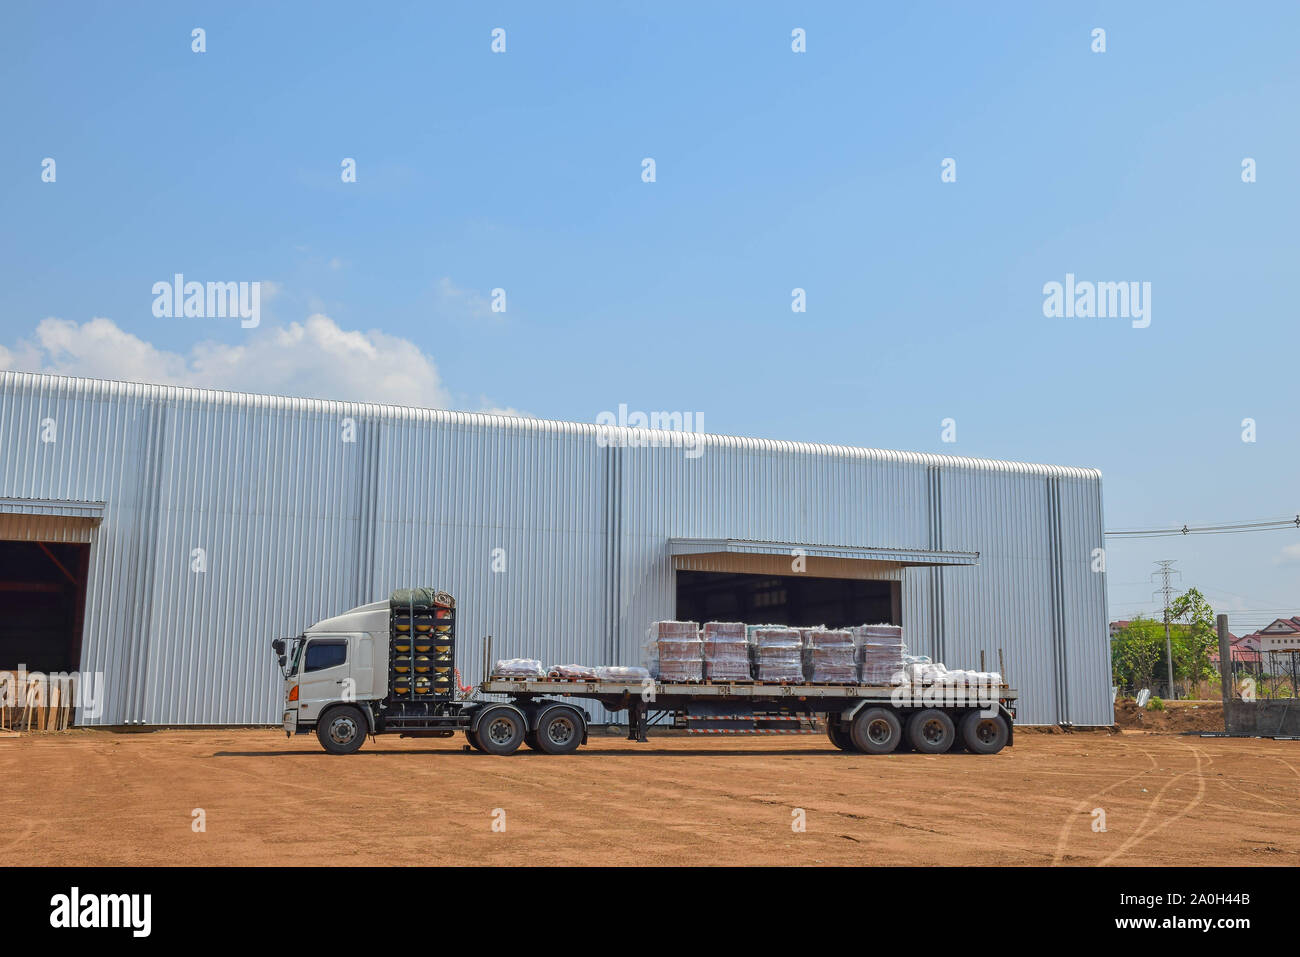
(313, 358)
(1290, 555)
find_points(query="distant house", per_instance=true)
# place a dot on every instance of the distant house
(1282, 634)
(1245, 653)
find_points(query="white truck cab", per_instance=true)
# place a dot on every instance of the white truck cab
(334, 661)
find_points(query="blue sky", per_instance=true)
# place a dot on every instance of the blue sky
(775, 170)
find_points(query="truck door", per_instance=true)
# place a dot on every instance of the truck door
(325, 675)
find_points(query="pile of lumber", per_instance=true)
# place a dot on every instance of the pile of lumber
(35, 702)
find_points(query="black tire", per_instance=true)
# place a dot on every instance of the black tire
(341, 729)
(530, 739)
(839, 736)
(473, 740)
(559, 731)
(501, 731)
(876, 731)
(931, 731)
(984, 735)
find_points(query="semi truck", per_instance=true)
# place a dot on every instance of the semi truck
(389, 667)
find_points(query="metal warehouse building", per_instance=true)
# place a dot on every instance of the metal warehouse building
(164, 536)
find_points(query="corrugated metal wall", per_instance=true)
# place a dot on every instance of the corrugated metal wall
(297, 524)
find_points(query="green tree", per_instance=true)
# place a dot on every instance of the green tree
(1135, 652)
(1195, 638)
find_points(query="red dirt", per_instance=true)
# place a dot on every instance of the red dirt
(1178, 716)
(97, 797)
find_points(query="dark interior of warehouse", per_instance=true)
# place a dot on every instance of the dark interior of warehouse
(786, 599)
(42, 601)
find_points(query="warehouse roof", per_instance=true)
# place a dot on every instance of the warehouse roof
(110, 387)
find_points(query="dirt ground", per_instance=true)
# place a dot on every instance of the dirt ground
(1177, 716)
(99, 797)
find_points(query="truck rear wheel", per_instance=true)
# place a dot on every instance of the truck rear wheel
(501, 731)
(839, 736)
(931, 731)
(560, 732)
(341, 730)
(530, 739)
(473, 740)
(876, 731)
(984, 735)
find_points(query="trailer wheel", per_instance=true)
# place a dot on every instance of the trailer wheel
(560, 732)
(530, 739)
(840, 737)
(341, 729)
(876, 731)
(931, 731)
(984, 735)
(473, 740)
(501, 731)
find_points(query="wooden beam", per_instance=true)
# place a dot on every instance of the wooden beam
(67, 574)
(31, 586)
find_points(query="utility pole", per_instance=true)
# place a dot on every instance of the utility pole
(1167, 569)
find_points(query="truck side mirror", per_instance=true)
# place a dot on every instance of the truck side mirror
(283, 659)
(278, 647)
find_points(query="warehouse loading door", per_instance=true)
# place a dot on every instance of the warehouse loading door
(786, 599)
(42, 601)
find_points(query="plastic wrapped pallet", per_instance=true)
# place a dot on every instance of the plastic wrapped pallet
(881, 653)
(519, 668)
(726, 651)
(579, 672)
(622, 673)
(833, 658)
(673, 651)
(778, 654)
(805, 635)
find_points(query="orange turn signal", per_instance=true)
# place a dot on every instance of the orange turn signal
(293, 693)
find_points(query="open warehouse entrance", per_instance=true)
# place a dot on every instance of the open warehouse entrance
(785, 599)
(799, 584)
(42, 601)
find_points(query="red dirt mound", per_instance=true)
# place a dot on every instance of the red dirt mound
(1177, 717)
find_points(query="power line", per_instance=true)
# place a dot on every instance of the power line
(1226, 528)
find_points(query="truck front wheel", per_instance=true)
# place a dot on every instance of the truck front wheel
(876, 731)
(560, 732)
(501, 731)
(341, 730)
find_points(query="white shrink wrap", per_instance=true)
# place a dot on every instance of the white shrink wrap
(726, 651)
(778, 655)
(880, 653)
(673, 651)
(831, 655)
(518, 668)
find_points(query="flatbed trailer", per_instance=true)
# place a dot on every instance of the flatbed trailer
(767, 703)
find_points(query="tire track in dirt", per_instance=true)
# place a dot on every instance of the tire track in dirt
(1082, 807)
(1138, 836)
